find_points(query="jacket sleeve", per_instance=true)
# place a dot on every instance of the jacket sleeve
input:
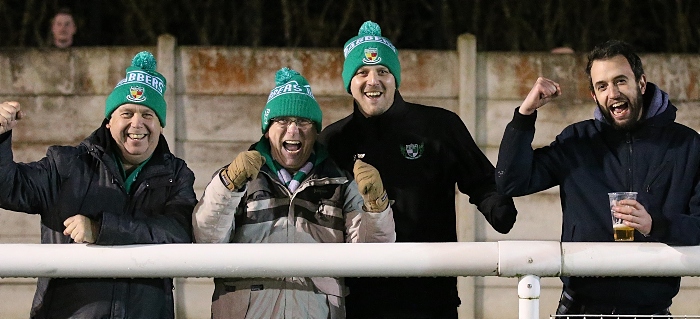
(517, 171)
(173, 225)
(677, 222)
(475, 176)
(366, 227)
(214, 216)
(25, 187)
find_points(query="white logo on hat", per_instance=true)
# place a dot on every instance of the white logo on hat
(266, 114)
(371, 38)
(140, 77)
(291, 87)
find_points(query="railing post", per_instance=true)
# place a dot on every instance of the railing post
(529, 297)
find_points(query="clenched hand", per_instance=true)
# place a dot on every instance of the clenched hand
(82, 229)
(244, 167)
(10, 113)
(371, 187)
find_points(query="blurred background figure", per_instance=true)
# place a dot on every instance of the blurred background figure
(63, 29)
(562, 50)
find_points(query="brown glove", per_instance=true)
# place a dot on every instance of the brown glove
(371, 187)
(243, 168)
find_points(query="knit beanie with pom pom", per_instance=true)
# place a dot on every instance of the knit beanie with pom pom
(369, 47)
(141, 85)
(291, 97)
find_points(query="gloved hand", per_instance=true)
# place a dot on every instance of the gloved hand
(244, 167)
(371, 187)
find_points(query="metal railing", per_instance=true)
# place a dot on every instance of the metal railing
(621, 316)
(526, 260)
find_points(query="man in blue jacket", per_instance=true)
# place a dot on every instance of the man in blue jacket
(120, 186)
(632, 144)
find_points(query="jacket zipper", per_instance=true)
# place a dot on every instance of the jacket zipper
(629, 161)
(309, 181)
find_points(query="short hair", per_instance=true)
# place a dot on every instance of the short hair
(62, 10)
(611, 49)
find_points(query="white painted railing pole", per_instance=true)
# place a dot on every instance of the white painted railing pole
(529, 297)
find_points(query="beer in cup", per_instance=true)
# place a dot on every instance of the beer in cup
(621, 231)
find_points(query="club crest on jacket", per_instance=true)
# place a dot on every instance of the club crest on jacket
(412, 151)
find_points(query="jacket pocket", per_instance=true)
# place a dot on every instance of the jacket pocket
(657, 177)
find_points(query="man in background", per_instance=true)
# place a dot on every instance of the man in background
(63, 29)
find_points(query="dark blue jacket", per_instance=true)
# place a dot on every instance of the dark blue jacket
(659, 160)
(85, 180)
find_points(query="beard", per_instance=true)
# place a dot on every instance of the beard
(635, 108)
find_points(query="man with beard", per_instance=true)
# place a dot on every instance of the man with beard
(632, 144)
(286, 189)
(422, 152)
(120, 186)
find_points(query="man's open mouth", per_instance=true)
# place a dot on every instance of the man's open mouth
(292, 146)
(619, 108)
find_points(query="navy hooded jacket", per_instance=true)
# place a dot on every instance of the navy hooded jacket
(659, 159)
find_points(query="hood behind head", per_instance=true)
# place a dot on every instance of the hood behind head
(654, 99)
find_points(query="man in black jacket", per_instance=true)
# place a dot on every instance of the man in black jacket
(632, 144)
(120, 186)
(421, 153)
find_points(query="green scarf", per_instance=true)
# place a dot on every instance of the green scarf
(129, 180)
(319, 155)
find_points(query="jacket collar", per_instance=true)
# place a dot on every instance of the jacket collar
(658, 110)
(396, 111)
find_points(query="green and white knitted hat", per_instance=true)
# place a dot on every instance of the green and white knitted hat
(291, 97)
(141, 85)
(369, 47)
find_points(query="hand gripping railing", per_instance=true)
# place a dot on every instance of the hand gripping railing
(527, 260)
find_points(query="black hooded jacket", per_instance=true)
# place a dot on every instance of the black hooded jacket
(85, 180)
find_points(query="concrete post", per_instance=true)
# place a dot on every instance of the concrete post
(467, 213)
(166, 66)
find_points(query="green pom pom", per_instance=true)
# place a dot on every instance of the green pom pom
(284, 75)
(370, 28)
(144, 60)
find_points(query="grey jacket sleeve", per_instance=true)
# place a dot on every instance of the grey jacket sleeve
(213, 220)
(366, 227)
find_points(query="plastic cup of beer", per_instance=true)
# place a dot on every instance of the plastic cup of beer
(621, 231)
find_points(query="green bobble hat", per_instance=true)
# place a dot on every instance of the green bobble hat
(291, 97)
(141, 85)
(369, 47)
